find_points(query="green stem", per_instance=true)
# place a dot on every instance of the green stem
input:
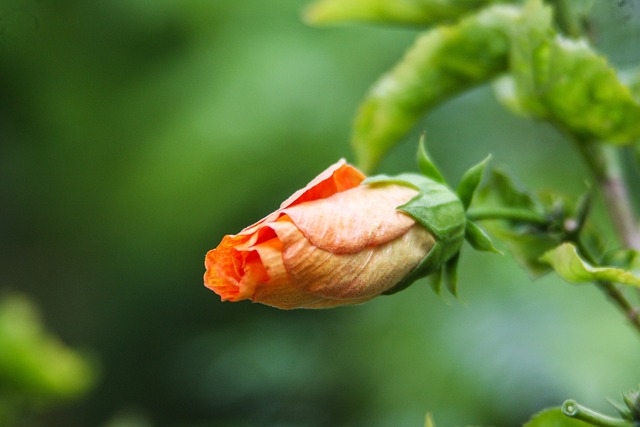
(604, 163)
(512, 214)
(574, 410)
(610, 289)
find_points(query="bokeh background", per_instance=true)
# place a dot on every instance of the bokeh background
(134, 134)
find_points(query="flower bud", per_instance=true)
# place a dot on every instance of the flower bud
(335, 242)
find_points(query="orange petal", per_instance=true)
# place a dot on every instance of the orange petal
(336, 178)
(235, 269)
(355, 219)
(350, 278)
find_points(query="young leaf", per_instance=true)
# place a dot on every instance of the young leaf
(502, 191)
(527, 246)
(442, 63)
(470, 181)
(411, 12)
(570, 266)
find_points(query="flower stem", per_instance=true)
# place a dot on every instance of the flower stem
(610, 289)
(512, 214)
(574, 410)
(604, 164)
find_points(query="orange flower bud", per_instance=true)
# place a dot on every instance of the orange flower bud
(335, 242)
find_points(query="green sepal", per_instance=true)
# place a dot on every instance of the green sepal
(566, 261)
(436, 207)
(451, 274)
(440, 211)
(479, 239)
(435, 282)
(425, 164)
(470, 181)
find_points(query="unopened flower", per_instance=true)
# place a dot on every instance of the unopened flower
(335, 242)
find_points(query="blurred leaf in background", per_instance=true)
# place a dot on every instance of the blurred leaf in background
(136, 133)
(36, 370)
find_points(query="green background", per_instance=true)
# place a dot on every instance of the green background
(134, 134)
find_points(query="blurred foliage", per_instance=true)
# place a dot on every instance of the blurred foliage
(35, 368)
(136, 133)
(415, 12)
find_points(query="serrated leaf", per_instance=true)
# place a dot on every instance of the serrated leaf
(566, 82)
(528, 44)
(554, 418)
(426, 165)
(407, 12)
(470, 181)
(566, 261)
(442, 63)
(479, 239)
(583, 92)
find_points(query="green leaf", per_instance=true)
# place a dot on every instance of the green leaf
(554, 418)
(566, 82)
(570, 266)
(470, 181)
(442, 63)
(527, 53)
(502, 191)
(527, 240)
(426, 165)
(412, 12)
(479, 239)
(626, 259)
(34, 364)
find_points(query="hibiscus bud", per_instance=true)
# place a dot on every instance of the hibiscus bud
(335, 242)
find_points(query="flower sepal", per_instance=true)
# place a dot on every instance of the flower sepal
(442, 211)
(439, 210)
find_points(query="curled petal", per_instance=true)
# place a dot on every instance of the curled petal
(348, 222)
